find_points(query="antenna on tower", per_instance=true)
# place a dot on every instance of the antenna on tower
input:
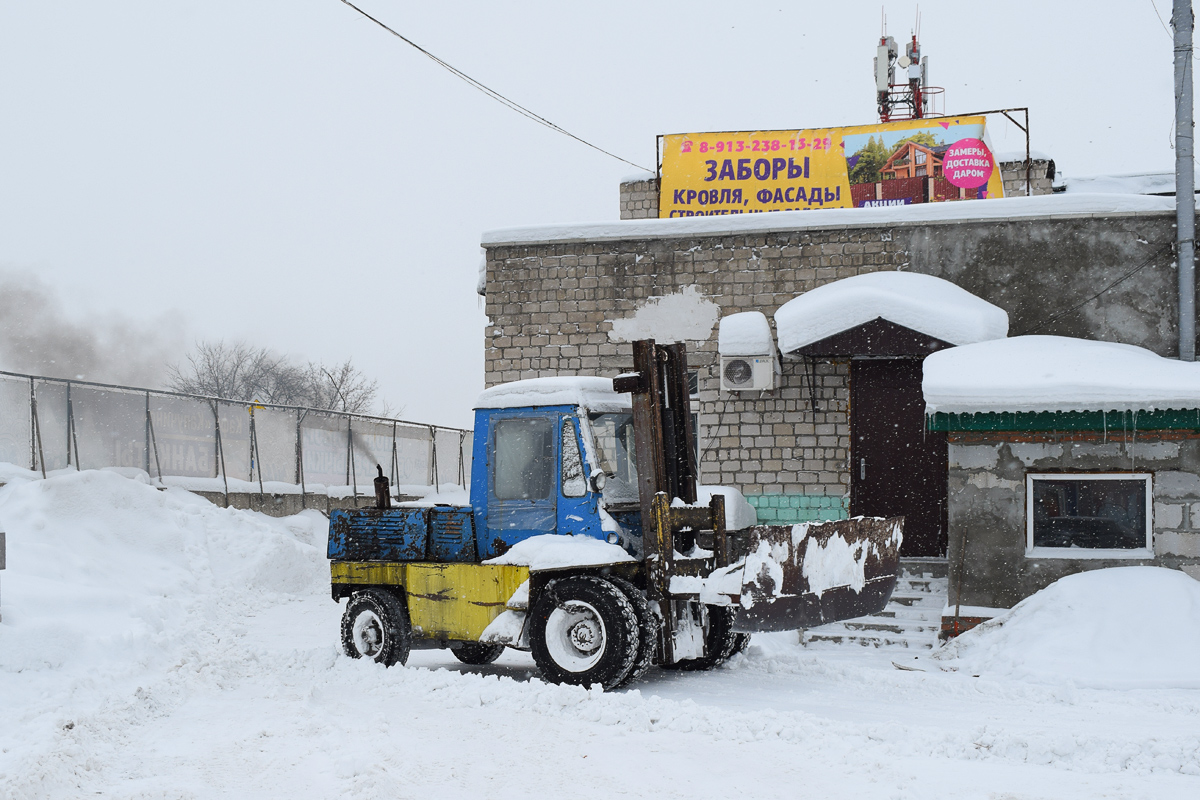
(911, 97)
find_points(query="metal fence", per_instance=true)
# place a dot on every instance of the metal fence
(221, 445)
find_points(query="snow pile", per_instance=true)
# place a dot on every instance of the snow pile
(556, 551)
(680, 317)
(923, 303)
(594, 394)
(110, 580)
(738, 511)
(1056, 373)
(745, 334)
(98, 563)
(1120, 628)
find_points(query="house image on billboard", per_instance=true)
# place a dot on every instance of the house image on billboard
(914, 160)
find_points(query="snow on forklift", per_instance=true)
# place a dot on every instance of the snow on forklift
(583, 542)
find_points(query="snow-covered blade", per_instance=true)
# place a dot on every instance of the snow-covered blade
(801, 576)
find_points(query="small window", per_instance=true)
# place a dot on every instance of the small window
(524, 459)
(573, 482)
(920, 157)
(1089, 515)
(693, 383)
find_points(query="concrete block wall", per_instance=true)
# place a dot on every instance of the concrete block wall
(552, 305)
(987, 511)
(553, 308)
(639, 199)
(1041, 177)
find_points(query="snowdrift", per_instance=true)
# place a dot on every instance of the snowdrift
(100, 565)
(1120, 628)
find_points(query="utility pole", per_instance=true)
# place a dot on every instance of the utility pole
(1182, 22)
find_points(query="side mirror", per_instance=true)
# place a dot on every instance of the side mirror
(597, 480)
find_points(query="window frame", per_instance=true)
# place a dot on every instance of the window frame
(1076, 553)
(554, 468)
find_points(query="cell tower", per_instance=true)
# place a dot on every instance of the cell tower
(910, 99)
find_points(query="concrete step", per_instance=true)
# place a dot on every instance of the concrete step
(919, 600)
(881, 639)
(929, 614)
(890, 625)
(930, 567)
(912, 618)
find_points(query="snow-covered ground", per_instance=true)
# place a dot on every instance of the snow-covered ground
(155, 646)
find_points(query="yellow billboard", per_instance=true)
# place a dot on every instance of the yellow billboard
(866, 166)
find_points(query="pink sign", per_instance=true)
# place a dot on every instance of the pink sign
(968, 163)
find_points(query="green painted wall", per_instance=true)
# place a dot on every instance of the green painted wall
(786, 509)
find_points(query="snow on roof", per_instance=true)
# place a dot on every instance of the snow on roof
(595, 394)
(639, 177)
(923, 303)
(1056, 373)
(916, 214)
(747, 333)
(1009, 156)
(1160, 183)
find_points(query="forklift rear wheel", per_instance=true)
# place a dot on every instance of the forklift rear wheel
(720, 642)
(375, 626)
(477, 653)
(584, 631)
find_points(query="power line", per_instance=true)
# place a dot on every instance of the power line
(1112, 285)
(492, 93)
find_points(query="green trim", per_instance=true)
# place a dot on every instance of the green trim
(788, 509)
(1111, 421)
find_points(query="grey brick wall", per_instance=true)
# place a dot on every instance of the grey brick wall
(1013, 174)
(552, 307)
(639, 199)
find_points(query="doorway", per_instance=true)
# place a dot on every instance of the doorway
(897, 468)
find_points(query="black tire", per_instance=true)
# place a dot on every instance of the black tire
(477, 653)
(720, 642)
(375, 626)
(584, 631)
(648, 624)
(740, 642)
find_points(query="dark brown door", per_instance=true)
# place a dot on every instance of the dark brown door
(896, 467)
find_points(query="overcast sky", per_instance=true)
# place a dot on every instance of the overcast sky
(286, 172)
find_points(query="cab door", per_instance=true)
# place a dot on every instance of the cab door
(577, 505)
(523, 484)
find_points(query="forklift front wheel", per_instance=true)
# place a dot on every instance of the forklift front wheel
(584, 631)
(375, 626)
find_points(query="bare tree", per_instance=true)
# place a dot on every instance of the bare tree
(341, 388)
(239, 371)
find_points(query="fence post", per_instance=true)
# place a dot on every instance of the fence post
(434, 464)
(394, 467)
(153, 440)
(36, 430)
(147, 434)
(69, 423)
(220, 448)
(462, 464)
(300, 457)
(256, 459)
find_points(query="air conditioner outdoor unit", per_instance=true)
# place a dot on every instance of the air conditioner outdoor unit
(748, 362)
(747, 373)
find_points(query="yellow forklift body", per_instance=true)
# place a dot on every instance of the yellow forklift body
(445, 601)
